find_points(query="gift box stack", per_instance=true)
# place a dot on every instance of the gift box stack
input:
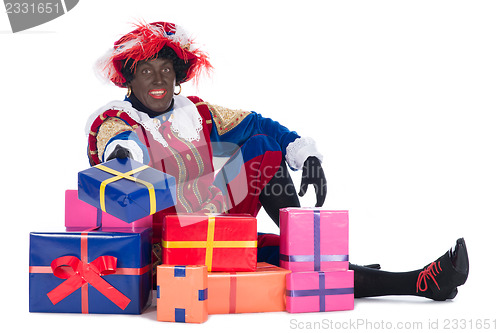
(314, 246)
(102, 262)
(210, 267)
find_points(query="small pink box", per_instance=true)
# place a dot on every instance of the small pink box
(80, 214)
(319, 291)
(314, 239)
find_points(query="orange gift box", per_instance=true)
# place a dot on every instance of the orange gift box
(245, 292)
(182, 294)
(222, 242)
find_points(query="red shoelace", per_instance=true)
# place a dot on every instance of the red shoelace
(429, 273)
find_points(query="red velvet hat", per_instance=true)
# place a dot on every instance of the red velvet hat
(145, 42)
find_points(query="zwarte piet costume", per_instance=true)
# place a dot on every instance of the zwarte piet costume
(183, 141)
(181, 136)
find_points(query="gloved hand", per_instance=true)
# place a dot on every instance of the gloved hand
(119, 152)
(313, 174)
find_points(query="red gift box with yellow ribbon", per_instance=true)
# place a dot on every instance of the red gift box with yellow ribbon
(223, 242)
(103, 271)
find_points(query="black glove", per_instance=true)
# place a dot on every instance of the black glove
(313, 174)
(119, 152)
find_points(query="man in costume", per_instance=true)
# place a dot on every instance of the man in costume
(180, 136)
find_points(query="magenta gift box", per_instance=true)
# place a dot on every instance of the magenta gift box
(313, 239)
(319, 291)
(79, 214)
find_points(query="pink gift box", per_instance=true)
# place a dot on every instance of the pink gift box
(319, 291)
(80, 214)
(313, 239)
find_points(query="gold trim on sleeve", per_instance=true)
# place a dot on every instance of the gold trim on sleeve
(110, 128)
(226, 119)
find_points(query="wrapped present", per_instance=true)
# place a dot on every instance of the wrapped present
(313, 239)
(79, 214)
(126, 189)
(105, 271)
(224, 242)
(319, 291)
(245, 292)
(182, 294)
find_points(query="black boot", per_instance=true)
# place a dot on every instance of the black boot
(439, 280)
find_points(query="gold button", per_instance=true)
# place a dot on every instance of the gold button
(188, 157)
(169, 137)
(164, 118)
(189, 186)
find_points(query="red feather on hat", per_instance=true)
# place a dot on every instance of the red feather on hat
(144, 43)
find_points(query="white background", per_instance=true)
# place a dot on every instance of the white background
(401, 96)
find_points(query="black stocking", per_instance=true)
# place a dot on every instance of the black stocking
(279, 193)
(374, 282)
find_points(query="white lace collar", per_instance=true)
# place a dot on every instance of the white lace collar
(185, 119)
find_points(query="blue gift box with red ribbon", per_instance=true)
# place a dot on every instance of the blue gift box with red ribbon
(126, 189)
(102, 271)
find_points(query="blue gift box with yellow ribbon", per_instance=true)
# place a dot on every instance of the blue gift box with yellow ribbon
(126, 189)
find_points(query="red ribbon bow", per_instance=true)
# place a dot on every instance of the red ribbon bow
(78, 274)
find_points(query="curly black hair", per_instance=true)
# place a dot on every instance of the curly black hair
(180, 66)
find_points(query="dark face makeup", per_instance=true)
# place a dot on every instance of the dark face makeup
(153, 83)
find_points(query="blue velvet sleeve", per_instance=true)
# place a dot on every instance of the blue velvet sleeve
(253, 124)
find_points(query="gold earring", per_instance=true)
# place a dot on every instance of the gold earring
(180, 89)
(129, 91)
